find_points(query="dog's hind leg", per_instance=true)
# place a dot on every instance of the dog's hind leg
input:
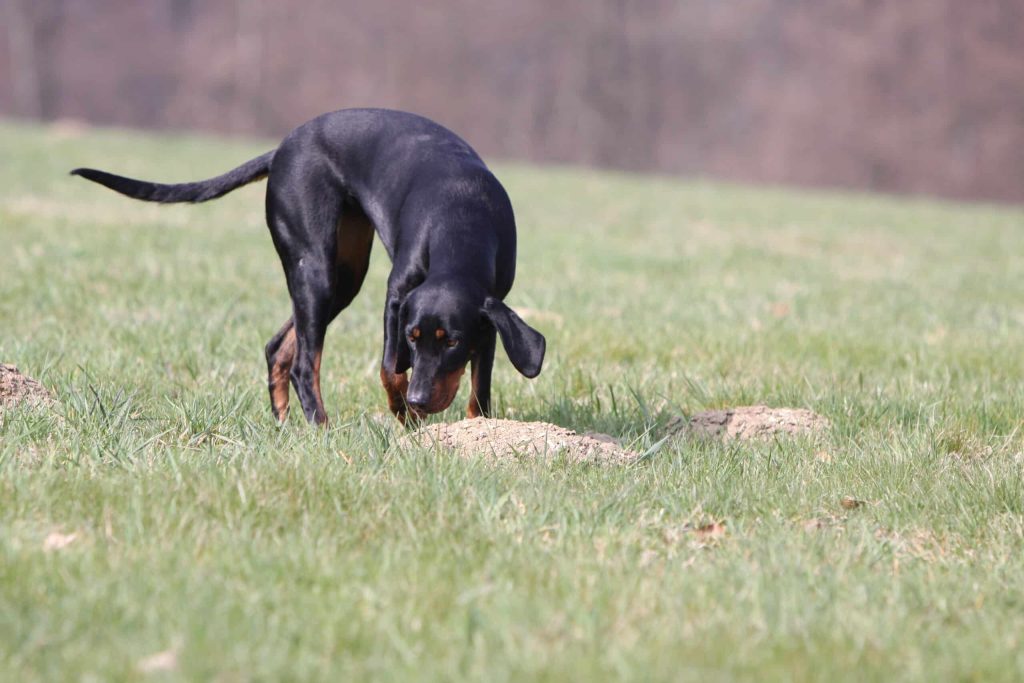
(310, 285)
(305, 238)
(325, 267)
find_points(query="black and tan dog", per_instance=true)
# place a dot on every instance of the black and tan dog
(445, 221)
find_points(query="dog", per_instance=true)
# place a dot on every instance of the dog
(446, 223)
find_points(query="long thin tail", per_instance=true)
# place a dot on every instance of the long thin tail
(201, 191)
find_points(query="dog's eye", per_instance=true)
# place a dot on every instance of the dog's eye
(452, 343)
(412, 339)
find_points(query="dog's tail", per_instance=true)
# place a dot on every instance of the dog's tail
(201, 191)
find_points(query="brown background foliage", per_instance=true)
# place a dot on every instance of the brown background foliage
(922, 96)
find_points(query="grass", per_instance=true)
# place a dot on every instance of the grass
(244, 551)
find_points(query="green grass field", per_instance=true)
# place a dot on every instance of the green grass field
(244, 551)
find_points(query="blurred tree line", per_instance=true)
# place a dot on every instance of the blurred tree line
(910, 96)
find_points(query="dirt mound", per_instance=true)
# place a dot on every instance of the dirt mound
(752, 422)
(16, 388)
(509, 440)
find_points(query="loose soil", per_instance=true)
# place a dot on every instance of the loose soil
(509, 440)
(16, 388)
(752, 422)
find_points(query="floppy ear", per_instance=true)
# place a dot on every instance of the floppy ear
(403, 361)
(523, 344)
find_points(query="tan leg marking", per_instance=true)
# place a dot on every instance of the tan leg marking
(280, 375)
(473, 409)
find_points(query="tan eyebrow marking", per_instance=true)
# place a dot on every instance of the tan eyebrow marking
(440, 333)
(415, 333)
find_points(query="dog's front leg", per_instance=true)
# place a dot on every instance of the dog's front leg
(482, 361)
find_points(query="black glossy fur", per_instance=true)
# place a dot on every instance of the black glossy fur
(445, 221)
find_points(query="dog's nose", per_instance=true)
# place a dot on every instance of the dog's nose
(418, 400)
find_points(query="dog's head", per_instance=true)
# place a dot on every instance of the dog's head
(444, 323)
